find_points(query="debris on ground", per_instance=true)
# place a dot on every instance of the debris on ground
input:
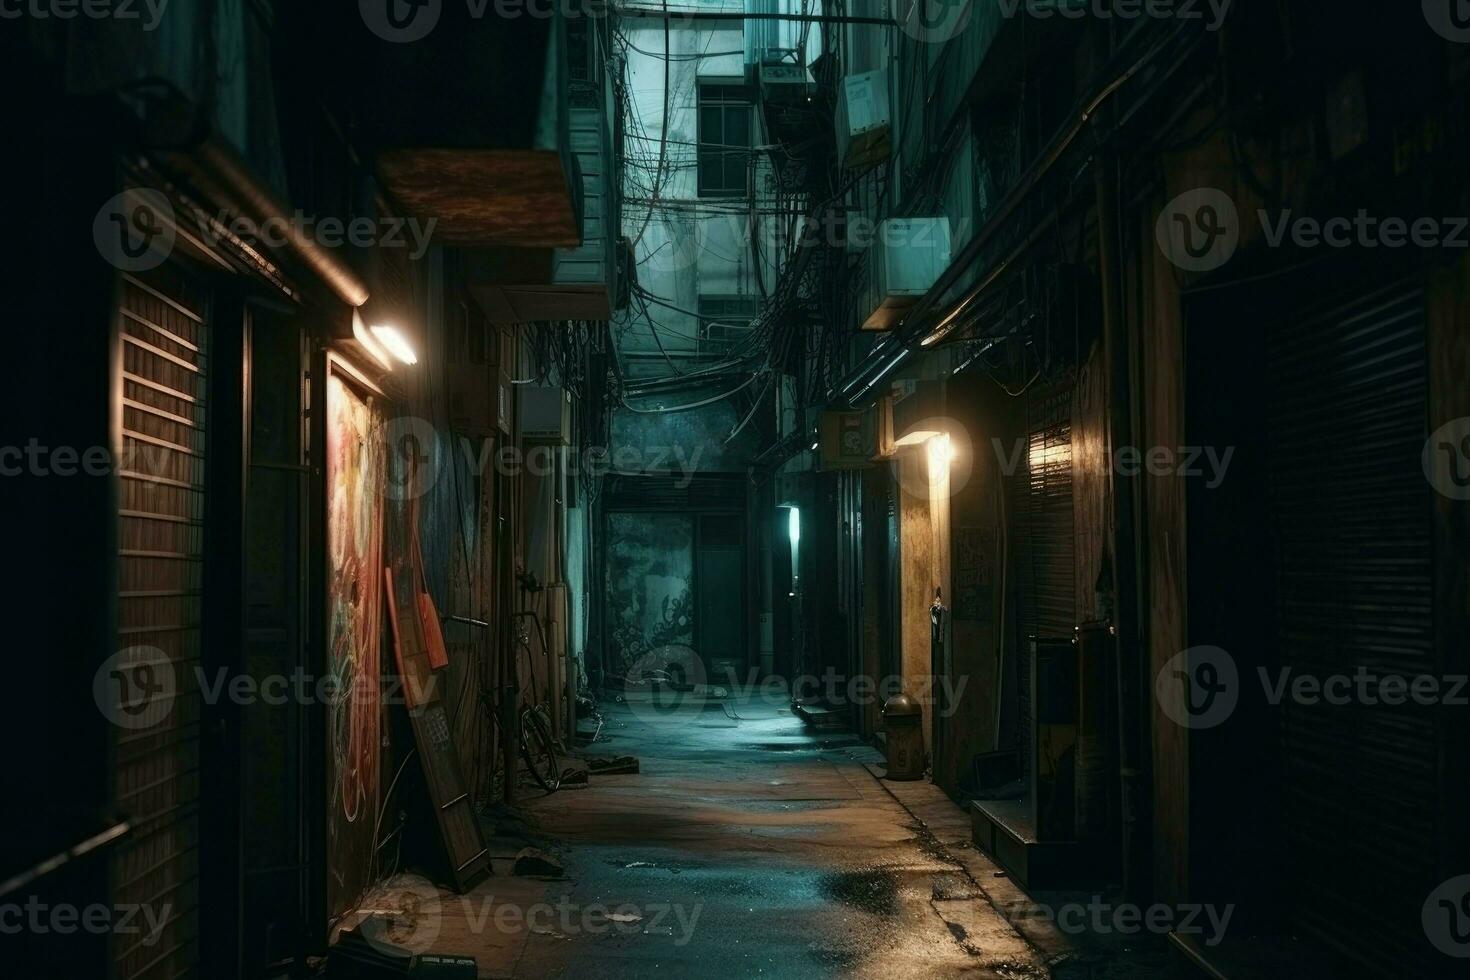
(438, 967)
(533, 862)
(613, 766)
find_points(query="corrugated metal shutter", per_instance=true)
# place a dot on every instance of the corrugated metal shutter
(1045, 534)
(1051, 593)
(164, 336)
(1352, 515)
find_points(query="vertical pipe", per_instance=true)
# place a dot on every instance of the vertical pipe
(1132, 656)
(509, 694)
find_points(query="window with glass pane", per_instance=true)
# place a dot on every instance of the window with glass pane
(724, 139)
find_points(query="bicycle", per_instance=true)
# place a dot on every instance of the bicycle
(538, 745)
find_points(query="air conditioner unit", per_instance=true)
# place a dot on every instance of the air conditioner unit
(783, 79)
(864, 121)
(545, 413)
(725, 334)
(843, 441)
(907, 257)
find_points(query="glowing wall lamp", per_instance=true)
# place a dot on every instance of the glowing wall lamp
(368, 342)
(941, 452)
(793, 529)
(394, 341)
(916, 437)
(941, 455)
(386, 327)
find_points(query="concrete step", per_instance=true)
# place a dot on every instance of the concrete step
(1002, 829)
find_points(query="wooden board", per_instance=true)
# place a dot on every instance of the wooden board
(448, 793)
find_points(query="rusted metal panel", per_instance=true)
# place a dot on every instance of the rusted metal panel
(487, 197)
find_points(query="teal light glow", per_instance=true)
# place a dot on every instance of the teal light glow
(793, 524)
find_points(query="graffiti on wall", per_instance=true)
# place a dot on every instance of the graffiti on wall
(354, 482)
(650, 580)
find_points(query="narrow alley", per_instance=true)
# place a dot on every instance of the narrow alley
(736, 489)
(733, 853)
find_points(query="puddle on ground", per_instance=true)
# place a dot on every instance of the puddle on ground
(874, 890)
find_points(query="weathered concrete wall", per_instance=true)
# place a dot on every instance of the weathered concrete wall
(681, 442)
(1166, 585)
(977, 547)
(918, 575)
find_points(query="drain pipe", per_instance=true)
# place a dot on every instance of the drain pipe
(1131, 657)
(219, 170)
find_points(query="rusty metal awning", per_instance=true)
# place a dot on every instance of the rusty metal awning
(521, 197)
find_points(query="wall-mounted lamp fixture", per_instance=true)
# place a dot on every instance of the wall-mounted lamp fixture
(369, 343)
(386, 325)
(916, 437)
(393, 339)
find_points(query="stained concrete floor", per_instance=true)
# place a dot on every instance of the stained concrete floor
(748, 846)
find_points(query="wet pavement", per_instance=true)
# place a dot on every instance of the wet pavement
(748, 846)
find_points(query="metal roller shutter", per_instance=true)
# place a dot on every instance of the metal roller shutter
(1041, 505)
(164, 339)
(1049, 576)
(1353, 579)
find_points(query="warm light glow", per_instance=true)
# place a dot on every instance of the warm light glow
(941, 454)
(396, 343)
(915, 438)
(1043, 456)
(369, 343)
